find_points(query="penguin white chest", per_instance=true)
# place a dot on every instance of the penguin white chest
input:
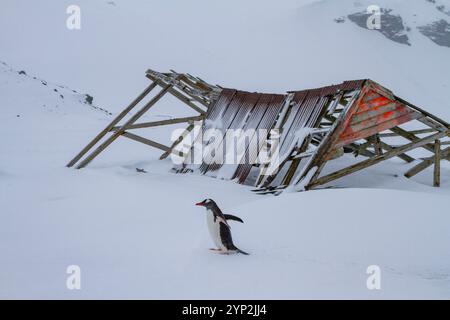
(214, 229)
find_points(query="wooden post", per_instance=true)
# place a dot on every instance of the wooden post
(120, 131)
(112, 124)
(372, 161)
(377, 145)
(177, 94)
(426, 163)
(437, 163)
(161, 123)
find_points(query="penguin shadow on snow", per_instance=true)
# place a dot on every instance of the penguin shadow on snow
(219, 229)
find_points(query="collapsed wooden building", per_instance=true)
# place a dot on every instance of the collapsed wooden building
(312, 128)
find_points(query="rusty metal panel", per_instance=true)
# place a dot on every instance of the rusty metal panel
(252, 123)
(267, 122)
(222, 124)
(244, 103)
(214, 112)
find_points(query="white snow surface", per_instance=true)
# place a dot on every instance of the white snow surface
(138, 235)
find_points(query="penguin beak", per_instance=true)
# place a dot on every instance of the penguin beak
(200, 204)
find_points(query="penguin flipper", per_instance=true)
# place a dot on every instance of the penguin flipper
(231, 217)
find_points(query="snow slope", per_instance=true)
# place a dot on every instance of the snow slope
(139, 235)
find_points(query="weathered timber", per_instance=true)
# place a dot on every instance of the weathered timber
(119, 132)
(426, 163)
(161, 123)
(370, 162)
(177, 94)
(112, 124)
(419, 131)
(432, 116)
(148, 142)
(178, 141)
(387, 147)
(437, 164)
(377, 145)
(411, 137)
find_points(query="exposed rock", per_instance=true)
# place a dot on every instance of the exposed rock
(391, 25)
(438, 32)
(89, 99)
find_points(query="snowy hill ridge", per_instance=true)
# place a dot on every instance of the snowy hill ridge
(54, 97)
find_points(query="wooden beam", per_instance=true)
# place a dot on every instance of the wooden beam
(148, 142)
(437, 164)
(178, 141)
(402, 156)
(112, 124)
(370, 162)
(426, 163)
(432, 116)
(161, 123)
(411, 137)
(177, 94)
(377, 145)
(420, 131)
(119, 132)
(387, 147)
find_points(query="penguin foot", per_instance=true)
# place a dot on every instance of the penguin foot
(214, 249)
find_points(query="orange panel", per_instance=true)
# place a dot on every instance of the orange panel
(374, 114)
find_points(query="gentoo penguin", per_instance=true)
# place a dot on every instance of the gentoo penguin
(219, 228)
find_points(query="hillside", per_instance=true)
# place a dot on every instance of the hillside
(139, 235)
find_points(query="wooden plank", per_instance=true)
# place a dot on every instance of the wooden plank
(176, 142)
(375, 113)
(399, 112)
(178, 95)
(437, 164)
(378, 127)
(148, 142)
(411, 137)
(116, 120)
(432, 116)
(402, 156)
(426, 163)
(161, 123)
(370, 162)
(377, 145)
(376, 104)
(419, 131)
(131, 121)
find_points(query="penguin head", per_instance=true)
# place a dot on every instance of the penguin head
(207, 203)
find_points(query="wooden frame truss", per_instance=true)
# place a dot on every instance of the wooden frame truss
(192, 91)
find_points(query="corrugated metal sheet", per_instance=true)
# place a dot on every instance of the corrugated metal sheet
(267, 116)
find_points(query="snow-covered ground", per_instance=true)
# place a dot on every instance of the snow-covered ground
(138, 235)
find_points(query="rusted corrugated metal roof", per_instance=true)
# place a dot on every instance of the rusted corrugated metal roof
(248, 111)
